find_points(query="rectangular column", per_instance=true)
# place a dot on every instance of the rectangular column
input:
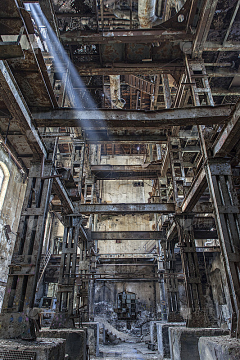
(227, 217)
(16, 320)
(66, 283)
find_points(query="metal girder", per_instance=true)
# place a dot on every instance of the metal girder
(229, 135)
(138, 36)
(197, 188)
(127, 235)
(131, 119)
(144, 208)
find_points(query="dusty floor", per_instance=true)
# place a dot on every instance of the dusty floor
(129, 351)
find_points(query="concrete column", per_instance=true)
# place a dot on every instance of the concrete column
(16, 320)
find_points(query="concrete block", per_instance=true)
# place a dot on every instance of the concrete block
(16, 326)
(219, 348)
(184, 341)
(43, 349)
(153, 331)
(163, 337)
(76, 342)
(92, 337)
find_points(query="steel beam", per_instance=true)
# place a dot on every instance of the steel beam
(127, 235)
(132, 119)
(144, 208)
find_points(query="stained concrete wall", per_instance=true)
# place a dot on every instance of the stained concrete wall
(220, 293)
(10, 210)
(122, 160)
(147, 293)
(124, 223)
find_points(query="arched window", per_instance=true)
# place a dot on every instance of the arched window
(4, 178)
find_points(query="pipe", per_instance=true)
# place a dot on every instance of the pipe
(146, 13)
(124, 14)
(116, 92)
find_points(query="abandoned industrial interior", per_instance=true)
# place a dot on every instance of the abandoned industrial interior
(120, 179)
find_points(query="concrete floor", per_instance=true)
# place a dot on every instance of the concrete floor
(126, 351)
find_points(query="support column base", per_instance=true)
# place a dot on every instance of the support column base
(198, 319)
(184, 341)
(62, 321)
(16, 326)
(175, 317)
(92, 337)
(163, 337)
(40, 349)
(76, 341)
(219, 348)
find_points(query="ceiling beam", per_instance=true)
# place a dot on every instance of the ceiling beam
(111, 209)
(229, 135)
(19, 110)
(132, 119)
(127, 235)
(137, 36)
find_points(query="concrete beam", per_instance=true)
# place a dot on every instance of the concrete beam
(229, 135)
(197, 188)
(203, 26)
(121, 209)
(205, 234)
(19, 110)
(223, 72)
(110, 172)
(127, 235)
(137, 36)
(235, 91)
(62, 194)
(132, 119)
(217, 46)
(151, 68)
(93, 137)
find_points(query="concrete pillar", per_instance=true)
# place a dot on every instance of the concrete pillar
(16, 320)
